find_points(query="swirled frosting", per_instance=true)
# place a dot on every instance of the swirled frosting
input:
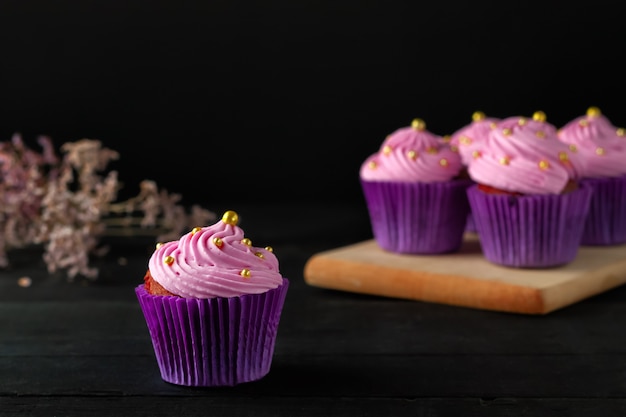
(412, 154)
(524, 155)
(598, 141)
(215, 261)
(469, 138)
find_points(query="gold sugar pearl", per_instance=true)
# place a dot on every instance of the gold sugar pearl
(168, 260)
(372, 165)
(158, 245)
(245, 273)
(521, 121)
(583, 123)
(230, 217)
(543, 164)
(443, 162)
(476, 154)
(432, 150)
(539, 116)
(218, 242)
(600, 151)
(493, 125)
(387, 150)
(505, 160)
(465, 140)
(446, 138)
(418, 124)
(620, 131)
(195, 230)
(593, 111)
(573, 148)
(563, 156)
(269, 249)
(412, 155)
(506, 131)
(477, 116)
(246, 241)
(540, 134)
(259, 255)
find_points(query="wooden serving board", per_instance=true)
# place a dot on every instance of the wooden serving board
(466, 278)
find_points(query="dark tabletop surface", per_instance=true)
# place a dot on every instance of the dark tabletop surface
(82, 348)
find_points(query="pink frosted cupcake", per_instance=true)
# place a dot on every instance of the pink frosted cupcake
(528, 206)
(416, 201)
(212, 303)
(468, 140)
(603, 146)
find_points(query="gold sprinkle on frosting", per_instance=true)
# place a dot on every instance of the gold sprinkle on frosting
(539, 116)
(432, 150)
(195, 230)
(521, 121)
(505, 160)
(230, 217)
(158, 245)
(269, 249)
(454, 148)
(259, 255)
(540, 134)
(593, 111)
(418, 124)
(619, 131)
(168, 260)
(583, 123)
(443, 162)
(573, 148)
(446, 138)
(563, 156)
(245, 273)
(465, 140)
(476, 154)
(477, 116)
(600, 151)
(493, 125)
(246, 241)
(372, 165)
(218, 242)
(387, 150)
(506, 131)
(412, 155)
(543, 164)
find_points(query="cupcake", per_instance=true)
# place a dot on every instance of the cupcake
(528, 204)
(416, 201)
(467, 139)
(603, 146)
(212, 303)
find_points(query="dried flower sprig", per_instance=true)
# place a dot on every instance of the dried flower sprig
(66, 205)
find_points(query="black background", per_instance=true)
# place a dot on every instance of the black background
(230, 101)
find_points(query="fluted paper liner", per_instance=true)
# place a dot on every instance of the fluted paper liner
(606, 221)
(213, 342)
(531, 231)
(417, 218)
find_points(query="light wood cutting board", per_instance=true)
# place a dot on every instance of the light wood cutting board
(465, 278)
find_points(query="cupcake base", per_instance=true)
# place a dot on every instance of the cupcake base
(606, 221)
(532, 231)
(213, 342)
(417, 218)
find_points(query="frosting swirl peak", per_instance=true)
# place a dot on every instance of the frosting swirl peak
(215, 261)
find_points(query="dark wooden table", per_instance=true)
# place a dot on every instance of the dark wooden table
(82, 348)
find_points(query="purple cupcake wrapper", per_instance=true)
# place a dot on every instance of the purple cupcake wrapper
(606, 221)
(213, 342)
(417, 218)
(533, 231)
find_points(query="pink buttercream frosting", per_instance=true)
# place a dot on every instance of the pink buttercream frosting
(215, 261)
(412, 154)
(524, 155)
(598, 141)
(469, 138)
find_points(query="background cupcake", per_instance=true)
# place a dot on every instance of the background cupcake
(528, 206)
(603, 146)
(467, 140)
(416, 201)
(212, 303)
